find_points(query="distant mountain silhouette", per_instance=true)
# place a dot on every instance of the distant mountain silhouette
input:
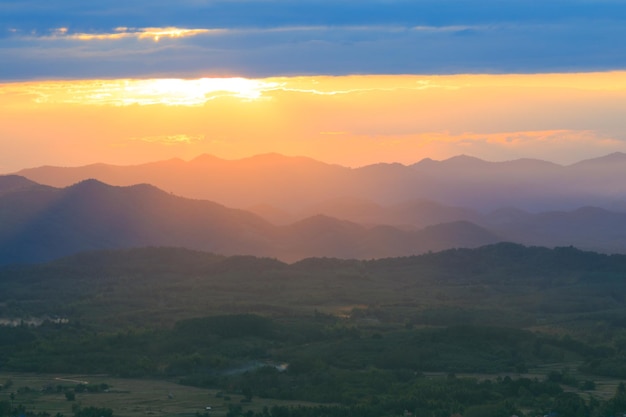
(45, 223)
(272, 214)
(610, 161)
(409, 215)
(39, 223)
(295, 184)
(272, 179)
(11, 183)
(589, 228)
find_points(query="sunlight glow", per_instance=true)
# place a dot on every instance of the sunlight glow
(177, 92)
(171, 139)
(349, 120)
(170, 92)
(153, 33)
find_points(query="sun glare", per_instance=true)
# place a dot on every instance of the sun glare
(349, 120)
(169, 92)
(197, 92)
(179, 92)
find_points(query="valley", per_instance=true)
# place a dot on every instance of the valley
(352, 336)
(279, 208)
(353, 305)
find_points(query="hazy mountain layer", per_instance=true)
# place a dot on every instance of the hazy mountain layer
(409, 215)
(39, 223)
(296, 183)
(591, 228)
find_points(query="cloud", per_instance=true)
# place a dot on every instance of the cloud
(558, 117)
(281, 13)
(261, 38)
(315, 50)
(123, 33)
(170, 139)
(128, 92)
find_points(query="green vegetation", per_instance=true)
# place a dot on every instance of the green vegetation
(495, 331)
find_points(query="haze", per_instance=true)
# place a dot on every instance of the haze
(348, 120)
(271, 208)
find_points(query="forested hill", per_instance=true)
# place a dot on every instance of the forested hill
(353, 333)
(524, 285)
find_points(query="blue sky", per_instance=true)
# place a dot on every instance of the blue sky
(261, 38)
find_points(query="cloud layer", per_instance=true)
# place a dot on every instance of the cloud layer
(259, 38)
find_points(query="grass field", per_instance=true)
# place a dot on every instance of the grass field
(127, 397)
(605, 387)
(153, 397)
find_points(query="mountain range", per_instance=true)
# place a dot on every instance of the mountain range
(299, 208)
(40, 223)
(293, 184)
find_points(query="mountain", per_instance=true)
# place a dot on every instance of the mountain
(11, 183)
(589, 228)
(501, 283)
(295, 184)
(524, 183)
(39, 223)
(607, 162)
(272, 214)
(599, 176)
(408, 215)
(272, 179)
(44, 223)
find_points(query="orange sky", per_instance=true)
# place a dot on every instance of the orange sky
(349, 120)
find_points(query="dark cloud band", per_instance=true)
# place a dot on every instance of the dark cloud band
(258, 38)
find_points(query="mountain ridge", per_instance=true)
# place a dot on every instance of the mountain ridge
(44, 223)
(292, 183)
(39, 223)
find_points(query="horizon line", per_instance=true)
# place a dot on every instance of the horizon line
(285, 156)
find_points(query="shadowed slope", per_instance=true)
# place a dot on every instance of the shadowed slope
(41, 223)
(92, 215)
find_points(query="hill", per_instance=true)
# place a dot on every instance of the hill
(40, 223)
(539, 328)
(294, 183)
(502, 284)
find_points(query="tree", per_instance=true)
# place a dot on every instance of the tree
(93, 412)
(618, 402)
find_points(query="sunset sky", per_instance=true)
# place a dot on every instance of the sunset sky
(347, 82)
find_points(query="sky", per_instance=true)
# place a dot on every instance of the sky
(347, 82)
